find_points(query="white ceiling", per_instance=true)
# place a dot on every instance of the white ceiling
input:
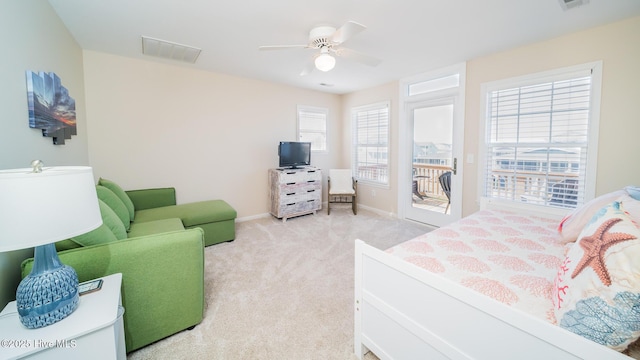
(409, 36)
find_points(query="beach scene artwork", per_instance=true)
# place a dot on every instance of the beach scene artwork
(51, 109)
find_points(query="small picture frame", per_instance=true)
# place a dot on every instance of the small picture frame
(88, 287)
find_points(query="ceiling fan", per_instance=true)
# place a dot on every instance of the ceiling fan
(328, 40)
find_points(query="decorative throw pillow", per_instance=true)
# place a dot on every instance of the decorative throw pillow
(111, 229)
(633, 191)
(121, 194)
(114, 202)
(572, 224)
(597, 289)
(111, 220)
(101, 235)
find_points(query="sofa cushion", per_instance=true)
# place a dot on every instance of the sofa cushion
(101, 235)
(152, 198)
(191, 214)
(111, 229)
(155, 227)
(66, 244)
(122, 195)
(111, 220)
(114, 202)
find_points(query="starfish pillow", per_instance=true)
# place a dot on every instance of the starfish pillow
(597, 289)
(572, 224)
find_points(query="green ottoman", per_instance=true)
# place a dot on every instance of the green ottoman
(215, 217)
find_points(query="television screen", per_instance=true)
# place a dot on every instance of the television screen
(294, 154)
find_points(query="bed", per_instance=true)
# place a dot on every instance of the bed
(409, 305)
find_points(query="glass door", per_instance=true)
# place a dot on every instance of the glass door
(434, 164)
(431, 146)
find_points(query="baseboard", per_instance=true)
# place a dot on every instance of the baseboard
(253, 217)
(364, 207)
(324, 208)
(378, 211)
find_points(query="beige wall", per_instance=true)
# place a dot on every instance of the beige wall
(34, 38)
(618, 46)
(212, 136)
(384, 199)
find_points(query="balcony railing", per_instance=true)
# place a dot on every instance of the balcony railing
(556, 189)
(426, 179)
(377, 173)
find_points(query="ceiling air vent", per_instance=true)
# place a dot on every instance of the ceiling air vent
(570, 4)
(169, 50)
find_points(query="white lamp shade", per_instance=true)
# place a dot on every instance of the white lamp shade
(42, 208)
(325, 62)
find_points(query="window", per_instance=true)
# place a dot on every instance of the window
(312, 127)
(433, 85)
(541, 137)
(371, 143)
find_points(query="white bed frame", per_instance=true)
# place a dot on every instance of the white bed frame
(404, 312)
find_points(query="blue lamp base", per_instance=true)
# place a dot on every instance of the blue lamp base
(50, 293)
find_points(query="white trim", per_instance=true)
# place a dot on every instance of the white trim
(594, 130)
(564, 73)
(253, 217)
(456, 95)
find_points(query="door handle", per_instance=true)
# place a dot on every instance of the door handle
(454, 170)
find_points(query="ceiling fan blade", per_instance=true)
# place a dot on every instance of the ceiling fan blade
(309, 67)
(346, 31)
(357, 56)
(281, 47)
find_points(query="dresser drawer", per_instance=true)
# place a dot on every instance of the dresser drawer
(290, 198)
(301, 207)
(300, 188)
(291, 177)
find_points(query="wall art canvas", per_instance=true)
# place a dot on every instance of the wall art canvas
(51, 109)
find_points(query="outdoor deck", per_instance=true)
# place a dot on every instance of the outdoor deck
(427, 192)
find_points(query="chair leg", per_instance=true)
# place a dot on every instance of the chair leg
(329, 205)
(354, 205)
(447, 209)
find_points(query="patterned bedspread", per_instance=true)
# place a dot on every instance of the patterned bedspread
(508, 256)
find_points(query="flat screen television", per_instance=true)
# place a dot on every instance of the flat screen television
(294, 154)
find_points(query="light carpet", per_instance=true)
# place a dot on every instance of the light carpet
(283, 290)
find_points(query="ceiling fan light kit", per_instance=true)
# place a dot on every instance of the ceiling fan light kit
(325, 62)
(329, 40)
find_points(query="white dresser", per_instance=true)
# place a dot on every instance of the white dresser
(94, 330)
(295, 192)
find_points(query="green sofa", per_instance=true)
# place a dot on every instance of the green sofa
(162, 280)
(134, 208)
(158, 247)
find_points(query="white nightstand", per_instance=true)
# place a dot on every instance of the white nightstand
(94, 330)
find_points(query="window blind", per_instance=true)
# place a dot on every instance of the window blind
(312, 127)
(537, 142)
(371, 143)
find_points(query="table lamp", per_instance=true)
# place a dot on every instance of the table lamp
(39, 206)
